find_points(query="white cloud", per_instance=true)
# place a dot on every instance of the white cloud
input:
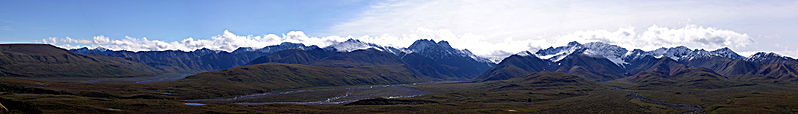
(101, 40)
(497, 27)
(227, 41)
(651, 38)
(655, 37)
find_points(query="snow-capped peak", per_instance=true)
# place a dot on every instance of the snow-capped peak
(684, 53)
(424, 44)
(761, 57)
(524, 53)
(441, 49)
(352, 45)
(101, 49)
(674, 53)
(596, 49)
(206, 50)
(620, 55)
(728, 53)
(274, 48)
(612, 52)
(559, 53)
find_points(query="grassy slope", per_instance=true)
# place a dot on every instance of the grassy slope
(536, 93)
(735, 97)
(40, 60)
(276, 76)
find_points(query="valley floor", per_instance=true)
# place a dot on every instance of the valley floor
(560, 96)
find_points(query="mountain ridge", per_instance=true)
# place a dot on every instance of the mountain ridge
(589, 60)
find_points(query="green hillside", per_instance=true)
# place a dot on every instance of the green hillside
(277, 76)
(44, 60)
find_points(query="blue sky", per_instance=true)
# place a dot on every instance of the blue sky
(32, 20)
(489, 28)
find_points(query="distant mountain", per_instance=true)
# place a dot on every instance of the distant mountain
(595, 49)
(669, 72)
(359, 58)
(600, 62)
(43, 60)
(353, 44)
(194, 61)
(591, 67)
(770, 58)
(423, 58)
(594, 61)
(294, 56)
(516, 65)
(439, 59)
(727, 53)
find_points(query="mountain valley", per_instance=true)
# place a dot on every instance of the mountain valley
(426, 77)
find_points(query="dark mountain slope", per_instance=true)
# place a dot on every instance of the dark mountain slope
(194, 61)
(670, 73)
(42, 60)
(367, 57)
(592, 68)
(638, 62)
(424, 58)
(294, 56)
(177, 61)
(515, 66)
(770, 58)
(724, 66)
(439, 59)
(277, 76)
(778, 72)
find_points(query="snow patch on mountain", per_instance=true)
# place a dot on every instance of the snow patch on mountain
(352, 45)
(595, 49)
(524, 53)
(620, 55)
(612, 52)
(559, 53)
(728, 53)
(441, 49)
(759, 56)
(683, 53)
(766, 58)
(675, 53)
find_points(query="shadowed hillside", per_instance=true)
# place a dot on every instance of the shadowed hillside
(43, 60)
(276, 76)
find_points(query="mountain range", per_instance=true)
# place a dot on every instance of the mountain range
(427, 58)
(422, 58)
(601, 62)
(591, 77)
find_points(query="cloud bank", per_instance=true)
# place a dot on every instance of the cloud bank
(655, 37)
(227, 41)
(648, 39)
(515, 25)
(496, 29)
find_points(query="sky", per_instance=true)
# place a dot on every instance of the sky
(488, 28)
